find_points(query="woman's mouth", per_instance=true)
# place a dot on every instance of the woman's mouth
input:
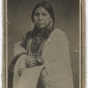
(40, 24)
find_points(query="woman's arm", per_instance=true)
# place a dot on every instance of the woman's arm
(18, 49)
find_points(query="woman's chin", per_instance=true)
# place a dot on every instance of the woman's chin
(41, 26)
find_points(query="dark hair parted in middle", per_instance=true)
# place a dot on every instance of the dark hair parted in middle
(47, 6)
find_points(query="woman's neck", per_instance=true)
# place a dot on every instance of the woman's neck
(39, 31)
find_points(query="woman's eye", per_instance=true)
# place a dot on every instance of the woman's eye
(36, 14)
(44, 14)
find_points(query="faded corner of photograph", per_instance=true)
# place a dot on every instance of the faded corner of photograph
(47, 32)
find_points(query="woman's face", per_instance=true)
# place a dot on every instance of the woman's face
(41, 17)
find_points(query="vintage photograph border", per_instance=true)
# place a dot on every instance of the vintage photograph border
(82, 60)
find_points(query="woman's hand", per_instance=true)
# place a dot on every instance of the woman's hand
(39, 61)
(30, 61)
(21, 71)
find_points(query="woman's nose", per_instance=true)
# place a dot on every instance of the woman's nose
(40, 17)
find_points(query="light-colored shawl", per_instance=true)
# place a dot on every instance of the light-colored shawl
(57, 60)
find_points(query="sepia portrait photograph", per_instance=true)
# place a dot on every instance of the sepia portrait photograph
(43, 43)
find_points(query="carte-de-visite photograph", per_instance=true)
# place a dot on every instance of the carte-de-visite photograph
(43, 44)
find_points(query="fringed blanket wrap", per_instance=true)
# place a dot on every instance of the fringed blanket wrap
(54, 73)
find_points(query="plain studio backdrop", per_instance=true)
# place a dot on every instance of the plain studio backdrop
(66, 18)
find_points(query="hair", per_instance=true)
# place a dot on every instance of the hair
(47, 6)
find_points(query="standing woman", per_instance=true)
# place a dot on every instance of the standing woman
(41, 60)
